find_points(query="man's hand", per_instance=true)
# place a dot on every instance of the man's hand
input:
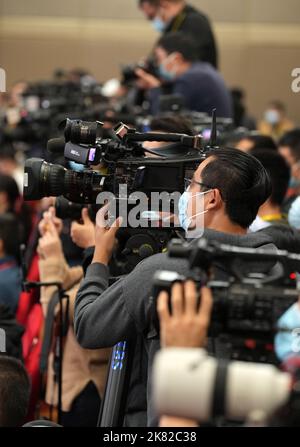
(50, 216)
(105, 236)
(50, 244)
(185, 326)
(83, 235)
(146, 81)
(170, 421)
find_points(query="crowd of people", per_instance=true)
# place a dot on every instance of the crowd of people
(250, 188)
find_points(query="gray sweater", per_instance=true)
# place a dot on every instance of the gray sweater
(107, 315)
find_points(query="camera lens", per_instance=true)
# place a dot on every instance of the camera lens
(43, 179)
(67, 210)
(81, 132)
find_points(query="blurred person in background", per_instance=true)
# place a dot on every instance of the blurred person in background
(199, 84)
(275, 122)
(10, 277)
(150, 9)
(240, 115)
(289, 148)
(14, 392)
(167, 124)
(254, 140)
(169, 16)
(12, 202)
(9, 164)
(270, 213)
(84, 371)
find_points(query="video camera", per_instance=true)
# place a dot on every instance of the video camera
(247, 303)
(123, 161)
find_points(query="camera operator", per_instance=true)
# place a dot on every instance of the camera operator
(201, 85)
(84, 372)
(169, 16)
(233, 185)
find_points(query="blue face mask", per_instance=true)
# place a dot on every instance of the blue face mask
(294, 214)
(184, 219)
(272, 117)
(158, 24)
(294, 183)
(76, 166)
(287, 342)
(165, 74)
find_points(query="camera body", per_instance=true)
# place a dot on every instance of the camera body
(247, 305)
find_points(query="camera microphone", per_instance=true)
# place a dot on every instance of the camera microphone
(56, 146)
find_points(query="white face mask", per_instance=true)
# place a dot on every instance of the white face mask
(186, 220)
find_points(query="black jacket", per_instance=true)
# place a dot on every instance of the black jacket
(195, 24)
(105, 316)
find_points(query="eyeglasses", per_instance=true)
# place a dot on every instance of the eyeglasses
(191, 182)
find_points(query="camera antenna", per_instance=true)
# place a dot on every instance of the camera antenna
(213, 136)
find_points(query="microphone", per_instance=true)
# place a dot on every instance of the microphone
(56, 145)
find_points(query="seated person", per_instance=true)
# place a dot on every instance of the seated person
(14, 392)
(200, 85)
(84, 371)
(275, 123)
(254, 140)
(10, 276)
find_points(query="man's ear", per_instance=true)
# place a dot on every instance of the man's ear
(214, 200)
(1, 246)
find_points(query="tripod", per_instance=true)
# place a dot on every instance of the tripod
(116, 390)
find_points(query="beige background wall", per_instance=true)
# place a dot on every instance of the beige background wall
(259, 41)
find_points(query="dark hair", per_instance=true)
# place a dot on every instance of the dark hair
(292, 140)
(279, 105)
(14, 392)
(9, 234)
(261, 141)
(152, 2)
(278, 171)
(9, 185)
(7, 152)
(243, 182)
(172, 124)
(179, 43)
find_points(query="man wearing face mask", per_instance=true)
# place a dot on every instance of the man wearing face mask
(275, 122)
(198, 83)
(231, 186)
(169, 16)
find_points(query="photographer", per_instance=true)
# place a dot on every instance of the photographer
(84, 372)
(233, 185)
(201, 85)
(169, 16)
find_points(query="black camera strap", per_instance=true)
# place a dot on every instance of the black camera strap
(219, 397)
